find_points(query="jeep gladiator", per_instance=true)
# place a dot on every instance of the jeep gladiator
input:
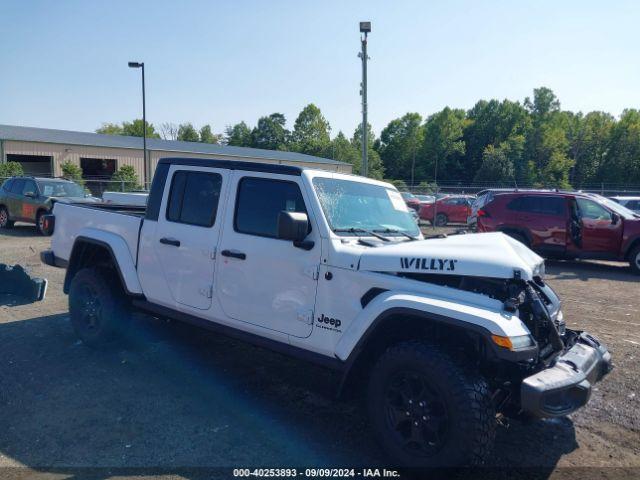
(441, 335)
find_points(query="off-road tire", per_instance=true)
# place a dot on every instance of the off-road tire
(441, 220)
(634, 260)
(470, 413)
(98, 307)
(4, 218)
(39, 226)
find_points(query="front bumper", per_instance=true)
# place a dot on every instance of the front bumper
(566, 386)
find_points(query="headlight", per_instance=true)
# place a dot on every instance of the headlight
(539, 270)
(513, 343)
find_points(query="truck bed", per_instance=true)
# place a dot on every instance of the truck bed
(74, 218)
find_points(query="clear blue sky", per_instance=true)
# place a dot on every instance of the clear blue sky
(64, 63)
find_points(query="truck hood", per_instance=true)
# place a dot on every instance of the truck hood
(493, 255)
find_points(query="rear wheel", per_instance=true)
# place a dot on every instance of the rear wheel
(98, 307)
(634, 260)
(427, 410)
(4, 218)
(441, 220)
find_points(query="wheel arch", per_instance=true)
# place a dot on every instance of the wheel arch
(631, 244)
(89, 251)
(506, 229)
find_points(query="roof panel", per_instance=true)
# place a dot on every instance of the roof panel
(68, 137)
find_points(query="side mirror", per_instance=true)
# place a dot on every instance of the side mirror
(615, 218)
(30, 194)
(292, 226)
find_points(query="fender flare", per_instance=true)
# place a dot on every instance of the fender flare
(119, 252)
(515, 229)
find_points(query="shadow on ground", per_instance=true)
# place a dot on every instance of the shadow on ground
(587, 270)
(174, 397)
(20, 230)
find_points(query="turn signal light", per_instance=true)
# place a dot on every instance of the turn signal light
(513, 343)
(483, 213)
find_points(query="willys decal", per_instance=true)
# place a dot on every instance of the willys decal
(434, 264)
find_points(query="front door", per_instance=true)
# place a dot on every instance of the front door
(187, 233)
(598, 232)
(29, 201)
(263, 280)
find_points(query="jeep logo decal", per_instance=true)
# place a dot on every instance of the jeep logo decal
(329, 323)
(437, 264)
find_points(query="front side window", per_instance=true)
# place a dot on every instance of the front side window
(350, 205)
(194, 197)
(592, 210)
(260, 201)
(29, 188)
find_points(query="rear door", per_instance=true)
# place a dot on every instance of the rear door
(599, 233)
(14, 204)
(545, 218)
(263, 280)
(187, 233)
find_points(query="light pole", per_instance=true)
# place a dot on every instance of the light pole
(365, 27)
(147, 173)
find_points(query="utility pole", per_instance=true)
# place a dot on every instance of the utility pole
(365, 27)
(147, 169)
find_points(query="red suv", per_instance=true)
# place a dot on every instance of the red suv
(451, 209)
(563, 224)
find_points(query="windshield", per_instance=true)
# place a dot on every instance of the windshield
(60, 189)
(362, 206)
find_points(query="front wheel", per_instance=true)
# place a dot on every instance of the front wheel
(427, 410)
(98, 307)
(634, 260)
(441, 220)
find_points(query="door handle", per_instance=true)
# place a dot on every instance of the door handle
(233, 254)
(170, 241)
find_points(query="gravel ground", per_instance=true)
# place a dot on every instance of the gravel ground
(176, 397)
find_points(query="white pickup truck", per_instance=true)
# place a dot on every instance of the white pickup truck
(442, 334)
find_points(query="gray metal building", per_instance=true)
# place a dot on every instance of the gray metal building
(42, 151)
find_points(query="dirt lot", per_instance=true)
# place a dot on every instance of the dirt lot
(176, 397)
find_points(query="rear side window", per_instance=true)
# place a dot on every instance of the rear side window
(6, 186)
(194, 197)
(538, 204)
(17, 186)
(260, 201)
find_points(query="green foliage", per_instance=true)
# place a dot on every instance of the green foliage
(270, 133)
(400, 143)
(72, 171)
(444, 145)
(342, 149)
(127, 178)
(238, 135)
(207, 135)
(399, 184)
(132, 129)
(311, 132)
(10, 169)
(187, 133)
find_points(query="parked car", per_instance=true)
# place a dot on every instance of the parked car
(565, 224)
(411, 200)
(442, 334)
(426, 198)
(27, 199)
(450, 209)
(632, 203)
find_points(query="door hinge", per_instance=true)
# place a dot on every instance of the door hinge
(313, 272)
(213, 253)
(306, 316)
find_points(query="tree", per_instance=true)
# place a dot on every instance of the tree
(342, 149)
(400, 143)
(311, 132)
(72, 171)
(376, 169)
(127, 178)
(270, 133)
(207, 136)
(622, 163)
(589, 146)
(110, 129)
(10, 169)
(187, 133)
(497, 163)
(169, 131)
(132, 129)
(238, 135)
(443, 145)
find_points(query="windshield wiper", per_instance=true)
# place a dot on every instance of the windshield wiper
(399, 232)
(362, 230)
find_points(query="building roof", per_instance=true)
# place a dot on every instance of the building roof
(68, 137)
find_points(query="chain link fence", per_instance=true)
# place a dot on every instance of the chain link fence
(461, 188)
